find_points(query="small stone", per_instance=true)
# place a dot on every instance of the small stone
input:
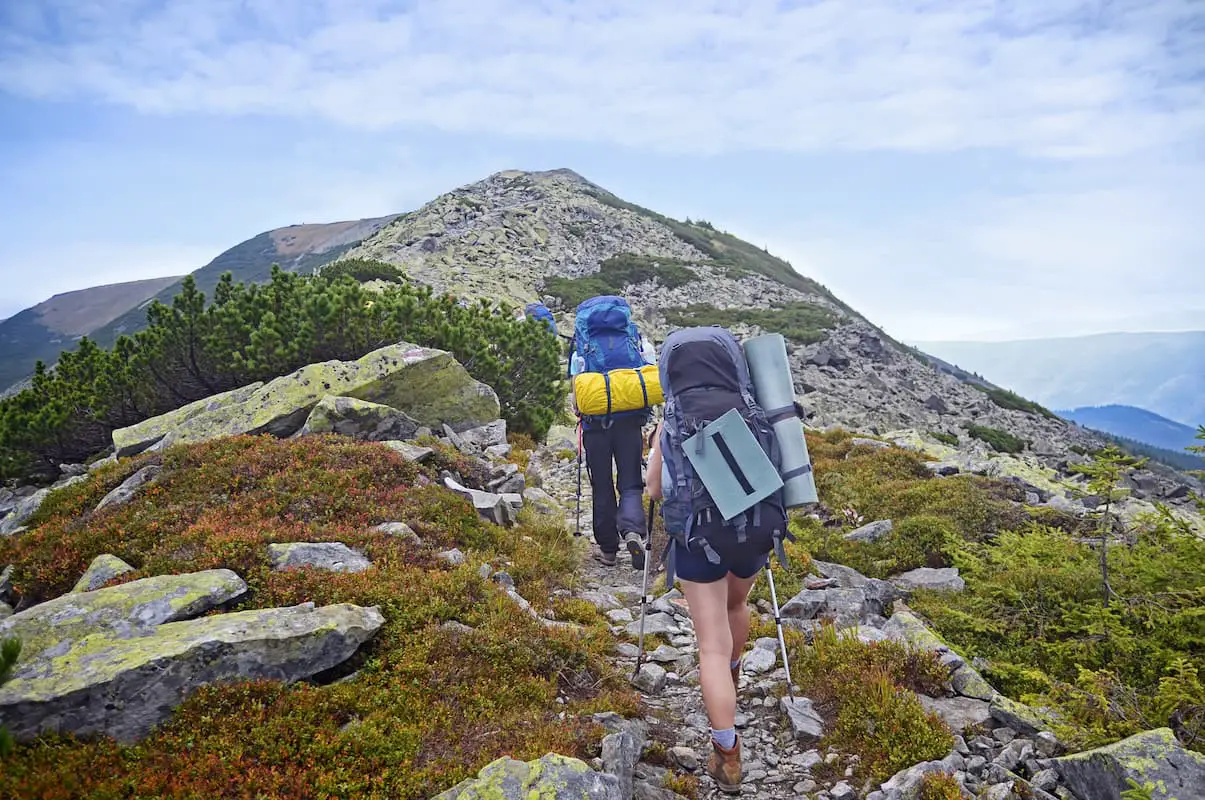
(650, 679)
(399, 530)
(870, 533)
(453, 556)
(665, 654)
(805, 787)
(333, 556)
(685, 757)
(842, 791)
(619, 616)
(1004, 734)
(627, 650)
(759, 661)
(806, 724)
(1047, 745)
(503, 579)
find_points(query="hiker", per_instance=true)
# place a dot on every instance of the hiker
(606, 339)
(703, 376)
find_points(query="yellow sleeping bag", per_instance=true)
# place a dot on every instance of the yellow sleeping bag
(601, 393)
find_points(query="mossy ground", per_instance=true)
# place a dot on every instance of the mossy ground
(427, 708)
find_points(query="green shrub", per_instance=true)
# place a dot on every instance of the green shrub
(998, 440)
(940, 786)
(362, 270)
(945, 438)
(1014, 401)
(801, 322)
(616, 274)
(919, 541)
(867, 694)
(1033, 609)
(10, 651)
(254, 332)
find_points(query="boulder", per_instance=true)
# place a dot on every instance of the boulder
(904, 626)
(103, 569)
(493, 507)
(1018, 716)
(123, 684)
(333, 556)
(358, 419)
(540, 500)
(872, 532)
(1154, 759)
(130, 486)
(48, 629)
(553, 776)
(485, 436)
(959, 713)
(428, 385)
(136, 438)
(945, 579)
(22, 511)
(846, 577)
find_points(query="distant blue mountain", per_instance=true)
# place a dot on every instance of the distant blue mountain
(1131, 422)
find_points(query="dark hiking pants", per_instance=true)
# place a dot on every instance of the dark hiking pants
(622, 445)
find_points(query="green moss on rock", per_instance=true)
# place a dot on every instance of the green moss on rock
(553, 777)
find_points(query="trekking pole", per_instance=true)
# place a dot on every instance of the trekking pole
(778, 621)
(644, 591)
(578, 532)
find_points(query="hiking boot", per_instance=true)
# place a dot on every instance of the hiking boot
(605, 558)
(724, 766)
(635, 545)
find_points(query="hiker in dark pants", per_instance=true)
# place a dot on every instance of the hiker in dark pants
(621, 444)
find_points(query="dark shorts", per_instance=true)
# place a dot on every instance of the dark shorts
(692, 565)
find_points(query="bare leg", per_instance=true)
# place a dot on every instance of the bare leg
(738, 611)
(711, 612)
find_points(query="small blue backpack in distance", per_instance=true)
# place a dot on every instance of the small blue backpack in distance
(541, 312)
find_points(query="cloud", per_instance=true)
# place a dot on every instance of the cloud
(1050, 78)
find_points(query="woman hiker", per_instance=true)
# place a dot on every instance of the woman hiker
(716, 596)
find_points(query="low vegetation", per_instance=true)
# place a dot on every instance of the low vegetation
(998, 440)
(428, 706)
(945, 438)
(617, 273)
(800, 322)
(729, 253)
(363, 271)
(1013, 401)
(1107, 663)
(250, 332)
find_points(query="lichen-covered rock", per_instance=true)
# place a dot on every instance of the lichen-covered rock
(428, 385)
(103, 569)
(904, 626)
(540, 500)
(554, 777)
(967, 681)
(22, 511)
(1154, 759)
(1017, 716)
(123, 685)
(130, 486)
(358, 419)
(485, 436)
(136, 438)
(399, 530)
(48, 629)
(333, 556)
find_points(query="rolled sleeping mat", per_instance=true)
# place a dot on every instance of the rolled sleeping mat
(602, 393)
(774, 388)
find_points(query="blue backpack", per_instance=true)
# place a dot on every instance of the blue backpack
(605, 336)
(714, 425)
(541, 312)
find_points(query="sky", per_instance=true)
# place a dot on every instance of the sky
(970, 169)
